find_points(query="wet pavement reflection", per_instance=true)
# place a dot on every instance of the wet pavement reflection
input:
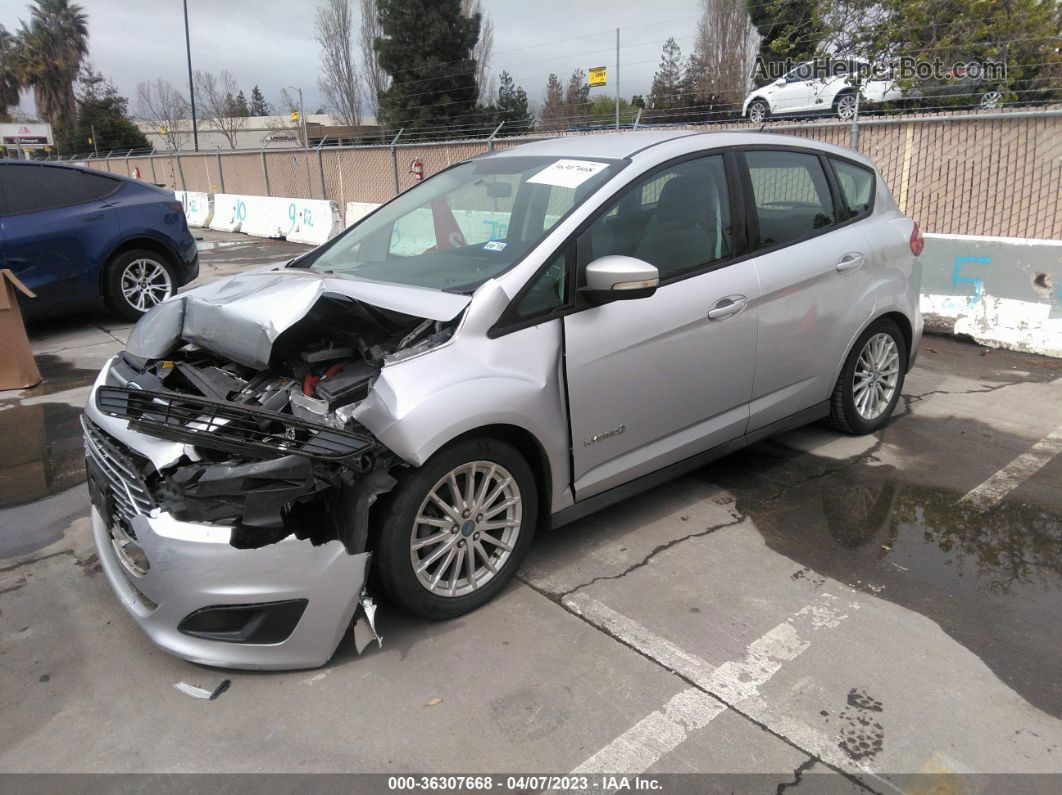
(991, 580)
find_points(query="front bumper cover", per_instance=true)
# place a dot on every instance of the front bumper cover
(192, 566)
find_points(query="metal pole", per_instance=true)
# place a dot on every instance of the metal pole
(490, 141)
(617, 78)
(128, 173)
(191, 86)
(221, 171)
(151, 159)
(637, 118)
(854, 138)
(265, 169)
(95, 146)
(394, 159)
(320, 167)
(302, 117)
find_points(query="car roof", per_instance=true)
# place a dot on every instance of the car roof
(628, 145)
(67, 166)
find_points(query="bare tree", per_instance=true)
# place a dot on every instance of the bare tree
(724, 53)
(341, 83)
(216, 97)
(484, 49)
(159, 102)
(280, 126)
(375, 77)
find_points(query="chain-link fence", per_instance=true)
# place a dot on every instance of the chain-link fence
(974, 173)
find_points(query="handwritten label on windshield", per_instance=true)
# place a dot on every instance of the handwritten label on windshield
(568, 173)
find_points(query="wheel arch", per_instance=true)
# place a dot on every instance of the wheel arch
(902, 322)
(532, 450)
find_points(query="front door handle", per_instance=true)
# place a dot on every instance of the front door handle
(725, 307)
(850, 261)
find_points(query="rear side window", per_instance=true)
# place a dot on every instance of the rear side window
(29, 189)
(791, 195)
(857, 186)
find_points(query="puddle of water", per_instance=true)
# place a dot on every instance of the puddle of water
(58, 375)
(42, 451)
(992, 580)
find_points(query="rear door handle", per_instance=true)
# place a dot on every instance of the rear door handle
(725, 307)
(850, 261)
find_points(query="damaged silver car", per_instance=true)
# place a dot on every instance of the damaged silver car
(520, 340)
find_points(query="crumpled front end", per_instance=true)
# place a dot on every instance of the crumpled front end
(231, 496)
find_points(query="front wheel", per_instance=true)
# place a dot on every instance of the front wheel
(454, 531)
(869, 386)
(136, 281)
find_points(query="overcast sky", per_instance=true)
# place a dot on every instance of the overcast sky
(271, 42)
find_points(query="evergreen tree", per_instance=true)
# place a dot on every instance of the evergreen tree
(511, 107)
(426, 48)
(239, 105)
(669, 88)
(577, 99)
(791, 30)
(259, 106)
(101, 108)
(553, 114)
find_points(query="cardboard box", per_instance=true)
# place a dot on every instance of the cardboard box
(18, 370)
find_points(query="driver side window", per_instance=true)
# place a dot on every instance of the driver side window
(679, 222)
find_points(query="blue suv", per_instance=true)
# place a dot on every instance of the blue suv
(73, 235)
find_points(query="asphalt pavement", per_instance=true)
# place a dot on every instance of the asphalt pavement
(817, 605)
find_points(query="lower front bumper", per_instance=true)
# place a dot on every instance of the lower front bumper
(192, 566)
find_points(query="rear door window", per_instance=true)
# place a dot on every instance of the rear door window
(791, 196)
(857, 186)
(29, 189)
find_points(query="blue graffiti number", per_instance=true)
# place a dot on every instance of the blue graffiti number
(957, 278)
(241, 211)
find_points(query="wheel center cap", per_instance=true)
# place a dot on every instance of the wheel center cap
(468, 528)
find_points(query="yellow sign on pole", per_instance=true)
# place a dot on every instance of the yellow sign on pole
(597, 76)
(294, 115)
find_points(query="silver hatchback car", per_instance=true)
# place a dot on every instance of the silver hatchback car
(520, 340)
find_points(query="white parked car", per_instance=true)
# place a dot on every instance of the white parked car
(806, 89)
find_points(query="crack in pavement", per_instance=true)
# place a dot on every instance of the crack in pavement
(798, 776)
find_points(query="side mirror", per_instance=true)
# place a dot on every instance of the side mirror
(780, 81)
(618, 278)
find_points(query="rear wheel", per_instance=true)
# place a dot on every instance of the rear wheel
(871, 380)
(454, 531)
(135, 281)
(759, 110)
(845, 106)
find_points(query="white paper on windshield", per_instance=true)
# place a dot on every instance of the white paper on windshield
(568, 173)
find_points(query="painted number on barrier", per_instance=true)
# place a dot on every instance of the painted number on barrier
(978, 284)
(305, 217)
(241, 211)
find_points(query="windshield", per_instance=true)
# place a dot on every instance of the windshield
(465, 225)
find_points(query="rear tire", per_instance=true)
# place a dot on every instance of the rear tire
(464, 525)
(871, 380)
(759, 111)
(136, 281)
(845, 106)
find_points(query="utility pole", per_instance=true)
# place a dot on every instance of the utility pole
(95, 146)
(617, 78)
(191, 86)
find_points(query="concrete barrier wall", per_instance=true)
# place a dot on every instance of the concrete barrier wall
(1002, 292)
(197, 207)
(355, 211)
(229, 212)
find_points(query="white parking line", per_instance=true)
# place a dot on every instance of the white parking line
(1013, 474)
(661, 731)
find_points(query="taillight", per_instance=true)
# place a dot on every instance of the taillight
(917, 241)
(175, 206)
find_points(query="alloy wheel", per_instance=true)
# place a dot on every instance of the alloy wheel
(757, 112)
(466, 529)
(846, 107)
(145, 283)
(991, 100)
(877, 373)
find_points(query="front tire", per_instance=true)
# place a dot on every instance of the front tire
(136, 281)
(871, 380)
(454, 531)
(845, 106)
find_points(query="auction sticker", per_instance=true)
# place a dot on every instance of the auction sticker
(568, 173)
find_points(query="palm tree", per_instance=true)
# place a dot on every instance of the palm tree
(9, 78)
(50, 51)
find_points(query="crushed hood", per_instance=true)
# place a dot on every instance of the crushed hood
(242, 316)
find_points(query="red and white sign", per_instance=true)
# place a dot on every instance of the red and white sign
(26, 134)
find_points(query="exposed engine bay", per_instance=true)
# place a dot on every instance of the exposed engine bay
(271, 450)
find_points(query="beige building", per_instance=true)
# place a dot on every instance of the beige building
(258, 132)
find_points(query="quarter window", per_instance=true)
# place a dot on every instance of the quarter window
(791, 195)
(679, 220)
(857, 186)
(549, 291)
